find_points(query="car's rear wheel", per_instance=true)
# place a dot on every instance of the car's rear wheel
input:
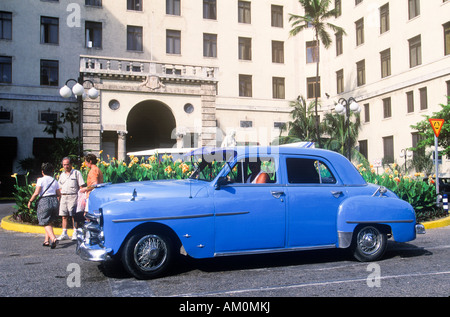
(369, 244)
(148, 255)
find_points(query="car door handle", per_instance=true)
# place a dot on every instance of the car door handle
(337, 194)
(277, 194)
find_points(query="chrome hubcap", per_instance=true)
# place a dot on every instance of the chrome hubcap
(369, 240)
(150, 253)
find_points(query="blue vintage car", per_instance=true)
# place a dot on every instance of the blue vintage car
(262, 200)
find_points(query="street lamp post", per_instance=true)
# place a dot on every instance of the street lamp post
(79, 92)
(343, 107)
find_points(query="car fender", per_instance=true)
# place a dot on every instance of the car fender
(193, 223)
(391, 212)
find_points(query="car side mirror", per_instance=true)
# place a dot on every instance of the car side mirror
(220, 182)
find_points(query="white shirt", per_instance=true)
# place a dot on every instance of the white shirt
(70, 182)
(44, 182)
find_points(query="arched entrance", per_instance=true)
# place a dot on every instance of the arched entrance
(150, 124)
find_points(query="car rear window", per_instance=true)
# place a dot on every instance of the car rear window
(308, 171)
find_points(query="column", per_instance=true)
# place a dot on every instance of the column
(122, 145)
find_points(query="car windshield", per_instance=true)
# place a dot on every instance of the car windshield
(209, 162)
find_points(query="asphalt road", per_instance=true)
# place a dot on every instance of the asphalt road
(418, 268)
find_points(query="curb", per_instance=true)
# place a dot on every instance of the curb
(443, 222)
(10, 225)
(7, 224)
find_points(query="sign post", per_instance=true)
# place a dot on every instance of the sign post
(436, 124)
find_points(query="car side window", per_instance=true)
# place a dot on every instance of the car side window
(308, 171)
(254, 170)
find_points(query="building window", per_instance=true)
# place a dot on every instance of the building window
(366, 113)
(313, 87)
(384, 18)
(278, 88)
(244, 12)
(173, 42)
(385, 63)
(246, 124)
(93, 37)
(49, 73)
(416, 139)
(173, 7)
(134, 5)
(209, 45)
(340, 81)
(277, 52)
(387, 109)
(134, 38)
(48, 116)
(95, 3)
(339, 45)
(5, 69)
(245, 48)
(5, 25)
(245, 86)
(210, 9)
(423, 98)
(364, 148)
(361, 73)
(277, 16)
(359, 25)
(410, 101)
(49, 30)
(312, 52)
(388, 149)
(447, 38)
(413, 8)
(415, 51)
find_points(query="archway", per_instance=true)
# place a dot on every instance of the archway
(150, 124)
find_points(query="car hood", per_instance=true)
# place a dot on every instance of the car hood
(147, 190)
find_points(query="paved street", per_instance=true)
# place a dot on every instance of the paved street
(418, 268)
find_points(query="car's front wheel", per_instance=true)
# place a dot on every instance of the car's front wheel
(147, 256)
(369, 244)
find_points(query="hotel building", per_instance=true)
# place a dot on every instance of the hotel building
(187, 73)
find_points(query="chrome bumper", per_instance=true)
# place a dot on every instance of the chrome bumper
(420, 228)
(90, 252)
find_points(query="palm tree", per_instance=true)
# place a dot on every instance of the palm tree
(316, 14)
(302, 128)
(339, 136)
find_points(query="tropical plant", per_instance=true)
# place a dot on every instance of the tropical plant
(316, 12)
(340, 137)
(303, 125)
(22, 194)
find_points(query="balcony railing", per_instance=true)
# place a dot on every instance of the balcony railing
(108, 66)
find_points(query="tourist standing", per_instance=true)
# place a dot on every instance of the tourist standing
(70, 182)
(95, 176)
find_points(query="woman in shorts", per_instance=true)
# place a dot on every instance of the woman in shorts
(47, 210)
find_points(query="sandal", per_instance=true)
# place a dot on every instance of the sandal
(53, 244)
(46, 244)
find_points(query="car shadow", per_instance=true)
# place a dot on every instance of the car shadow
(186, 264)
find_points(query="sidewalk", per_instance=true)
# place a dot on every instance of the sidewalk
(6, 210)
